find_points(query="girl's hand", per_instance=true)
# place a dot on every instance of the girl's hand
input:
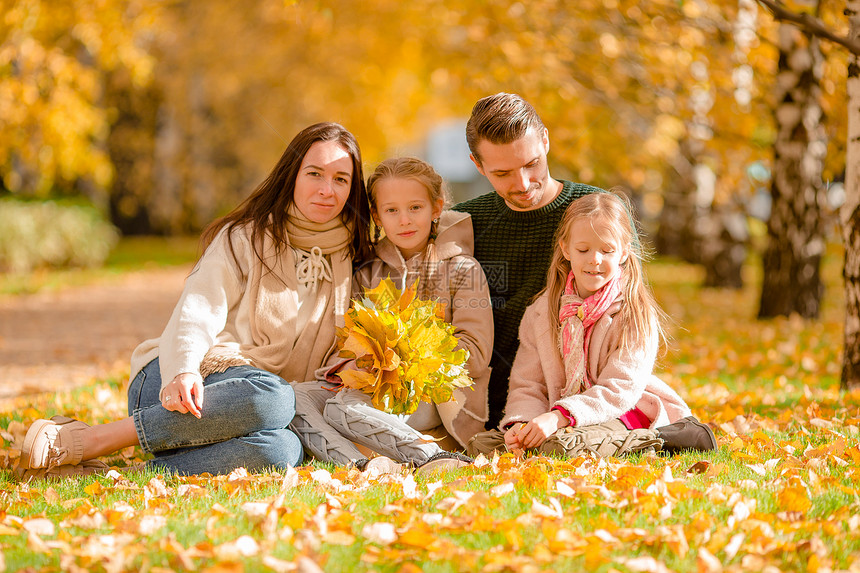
(351, 366)
(533, 434)
(184, 394)
(512, 440)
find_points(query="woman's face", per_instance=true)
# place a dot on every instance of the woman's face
(323, 182)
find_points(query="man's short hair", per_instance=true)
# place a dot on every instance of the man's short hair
(500, 119)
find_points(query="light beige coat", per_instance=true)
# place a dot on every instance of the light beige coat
(234, 310)
(622, 379)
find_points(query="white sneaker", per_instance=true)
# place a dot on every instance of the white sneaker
(381, 465)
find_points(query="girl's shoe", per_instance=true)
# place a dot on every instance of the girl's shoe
(358, 464)
(52, 443)
(687, 434)
(379, 465)
(444, 461)
(382, 465)
(610, 439)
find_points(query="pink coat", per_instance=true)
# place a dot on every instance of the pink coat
(622, 379)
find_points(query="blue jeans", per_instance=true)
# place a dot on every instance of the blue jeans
(244, 424)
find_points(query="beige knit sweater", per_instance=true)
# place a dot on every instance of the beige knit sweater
(229, 310)
(622, 379)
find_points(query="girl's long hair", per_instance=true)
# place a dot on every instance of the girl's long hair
(265, 210)
(641, 317)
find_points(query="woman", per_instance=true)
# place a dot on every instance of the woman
(258, 311)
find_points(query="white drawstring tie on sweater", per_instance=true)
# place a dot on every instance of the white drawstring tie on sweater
(311, 267)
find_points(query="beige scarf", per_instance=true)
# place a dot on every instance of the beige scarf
(277, 346)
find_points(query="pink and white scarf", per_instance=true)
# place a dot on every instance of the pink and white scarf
(577, 318)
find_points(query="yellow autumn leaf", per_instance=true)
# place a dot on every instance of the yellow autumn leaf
(534, 476)
(418, 536)
(95, 489)
(356, 378)
(357, 346)
(794, 498)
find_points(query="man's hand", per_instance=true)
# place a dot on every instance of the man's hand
(535, 433)
(184, 394)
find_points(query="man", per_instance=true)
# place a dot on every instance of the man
(514, 226)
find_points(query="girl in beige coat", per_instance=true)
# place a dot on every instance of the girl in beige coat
(447, 273)
(421, 242)
(588, 345)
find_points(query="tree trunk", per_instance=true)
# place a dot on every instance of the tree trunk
(131, 148)
(850, 214)
(792, 260)
(676, 235)
(696, 229)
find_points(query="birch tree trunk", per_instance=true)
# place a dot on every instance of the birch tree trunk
(850, 213)
(792, 260)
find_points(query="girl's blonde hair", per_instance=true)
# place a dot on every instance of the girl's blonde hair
(640, 315)
(408, 168)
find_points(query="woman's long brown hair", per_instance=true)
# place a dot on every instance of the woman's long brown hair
(265, 210)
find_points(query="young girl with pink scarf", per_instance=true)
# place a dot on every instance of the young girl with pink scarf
(582, 379)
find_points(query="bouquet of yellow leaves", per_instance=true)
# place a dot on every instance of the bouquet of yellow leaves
(405, 350)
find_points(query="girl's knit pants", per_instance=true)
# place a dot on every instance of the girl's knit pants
(330, 422)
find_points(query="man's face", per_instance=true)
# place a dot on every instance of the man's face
(518, 170)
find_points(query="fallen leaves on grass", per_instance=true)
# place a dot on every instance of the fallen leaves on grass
(769, 508)
(781, 494)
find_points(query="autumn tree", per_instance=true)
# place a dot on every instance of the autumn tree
(796, 241)
(704, 216)
(645, 95)
(850, 210)
(219, 113)
(626, 87)
(52, 60)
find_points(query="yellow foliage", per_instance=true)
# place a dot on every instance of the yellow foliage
(54, 125)
(620, 84)
(406, 353)
(794, 498)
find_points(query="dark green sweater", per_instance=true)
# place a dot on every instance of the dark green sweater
(514, 249)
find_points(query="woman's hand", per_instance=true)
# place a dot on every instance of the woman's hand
(533, 434)
(184, 394)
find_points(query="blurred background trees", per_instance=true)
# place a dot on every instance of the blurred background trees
(168, 112)
(726, 126)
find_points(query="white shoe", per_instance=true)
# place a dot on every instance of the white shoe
(380, 465)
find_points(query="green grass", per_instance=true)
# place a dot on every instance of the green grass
(781, 493)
